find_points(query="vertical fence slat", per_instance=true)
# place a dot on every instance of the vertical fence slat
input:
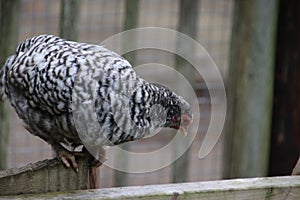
(285, 138)
(8, 40)
(250, 89)
(130, 22)
(69, 19)
(187, 24)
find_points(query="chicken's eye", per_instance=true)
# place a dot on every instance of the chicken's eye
(174, 119)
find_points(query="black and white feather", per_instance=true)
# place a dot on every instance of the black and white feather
(48, 79)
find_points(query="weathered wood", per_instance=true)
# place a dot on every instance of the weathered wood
(44, 176)
(296, 170)
(69, 19)
(250, 89)
(131, 20)
(187, 24)
(285, 137)
(9, 11)
(275, 188)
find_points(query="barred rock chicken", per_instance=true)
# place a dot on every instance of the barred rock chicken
(45, 72)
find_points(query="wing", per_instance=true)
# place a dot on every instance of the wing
(44, 68)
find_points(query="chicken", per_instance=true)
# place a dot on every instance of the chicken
(52, 82)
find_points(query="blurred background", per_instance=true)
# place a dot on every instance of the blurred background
(254, 44)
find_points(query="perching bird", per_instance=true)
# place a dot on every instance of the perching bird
(52, 84)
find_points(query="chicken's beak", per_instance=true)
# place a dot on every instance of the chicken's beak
(183, 131)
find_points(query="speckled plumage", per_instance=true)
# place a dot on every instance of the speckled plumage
(45, 72)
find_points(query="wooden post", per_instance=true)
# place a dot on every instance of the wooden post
(8, 42)
(44, 176)
(69, 19)
(250, 89)
(187, 24)
(285, 139)
(130, 22)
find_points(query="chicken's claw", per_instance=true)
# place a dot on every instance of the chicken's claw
(67, 157)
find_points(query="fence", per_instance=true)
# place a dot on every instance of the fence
(275, 188)
(100, 19)
(51, 176)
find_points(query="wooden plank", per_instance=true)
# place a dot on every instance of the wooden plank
(296, 170)
(44, 176)
(187, 24)
(9, 15)
(275, 188)
(250, 89)
(69, 19)
(285, 137)
(68, 27)
(131, 20)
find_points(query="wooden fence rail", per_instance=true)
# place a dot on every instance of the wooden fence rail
(49, 179)
(274, 188)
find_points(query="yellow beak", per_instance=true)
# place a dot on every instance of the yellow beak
(183, 131)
